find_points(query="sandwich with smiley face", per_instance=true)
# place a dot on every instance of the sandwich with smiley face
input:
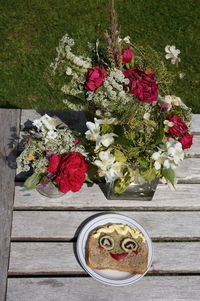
(117, 247)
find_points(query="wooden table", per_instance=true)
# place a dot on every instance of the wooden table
(42, 264)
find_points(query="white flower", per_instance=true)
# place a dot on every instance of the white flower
(157, 156)
(176, 101)
(176, 152)
(106, 140)
(37, 123)
(44, 123)
(69, 71)
(51, 135)
(48, 122)
(106, 160)
(146, 116)
(93, 131)
(114, 172)
(127, 40)
(181, 75)
(172, 100)
(172, 53)
(167, 124)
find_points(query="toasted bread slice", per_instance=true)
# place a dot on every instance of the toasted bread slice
(118, 258)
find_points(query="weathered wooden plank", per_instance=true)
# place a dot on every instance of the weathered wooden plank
(9, 130)
(57, 225)
(189, 171)
(195, 126)
(186, 197)
(194, 151)
(58, 258)
(73, 289)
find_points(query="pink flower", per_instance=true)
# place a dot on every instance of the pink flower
(76, 141)
(95, 78)
(126, 55)
(179, 127)
(186, 141)
(142, 84)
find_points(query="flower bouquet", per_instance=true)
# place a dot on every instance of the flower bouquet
(55, 156)
(138, 131)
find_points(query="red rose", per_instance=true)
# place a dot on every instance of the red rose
(142, 84)
(95, 78)
(179, 128)
(54, 162)
(186, 141)
(126, 55)
(71, 172)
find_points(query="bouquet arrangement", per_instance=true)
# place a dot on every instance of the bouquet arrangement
(54, 154)
(138, 131)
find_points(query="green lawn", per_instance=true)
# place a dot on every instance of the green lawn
(31, 29)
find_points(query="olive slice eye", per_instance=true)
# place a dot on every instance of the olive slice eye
(129, 244)
(107, 242)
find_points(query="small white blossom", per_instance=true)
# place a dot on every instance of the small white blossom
(172, 53)
(51, 135)
(127, 40)
(146, 116)
(69, 71)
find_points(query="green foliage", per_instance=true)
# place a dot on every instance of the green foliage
(32, 181)
(149, 175)
(119, 156)
(106, 128)
(160, 134)
(169, 175)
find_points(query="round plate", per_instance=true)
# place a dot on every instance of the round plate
(110, 277)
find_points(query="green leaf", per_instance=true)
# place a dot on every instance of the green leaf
(160, 134)
(144, 163)
(119, 156)
(149, 175)
(123, 141)
(169, 175)
(106, 128)
(119, 130)
(89, 180)
(32, 181)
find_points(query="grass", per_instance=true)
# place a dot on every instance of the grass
(30, 31)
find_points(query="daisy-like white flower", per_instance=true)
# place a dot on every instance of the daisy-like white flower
(157, 156)
(93, 131)
(106, 160)
(172, 53)
(106, 140)
(114, 172)
(45, 123)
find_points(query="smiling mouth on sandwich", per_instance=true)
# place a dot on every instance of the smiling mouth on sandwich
(119, 257)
